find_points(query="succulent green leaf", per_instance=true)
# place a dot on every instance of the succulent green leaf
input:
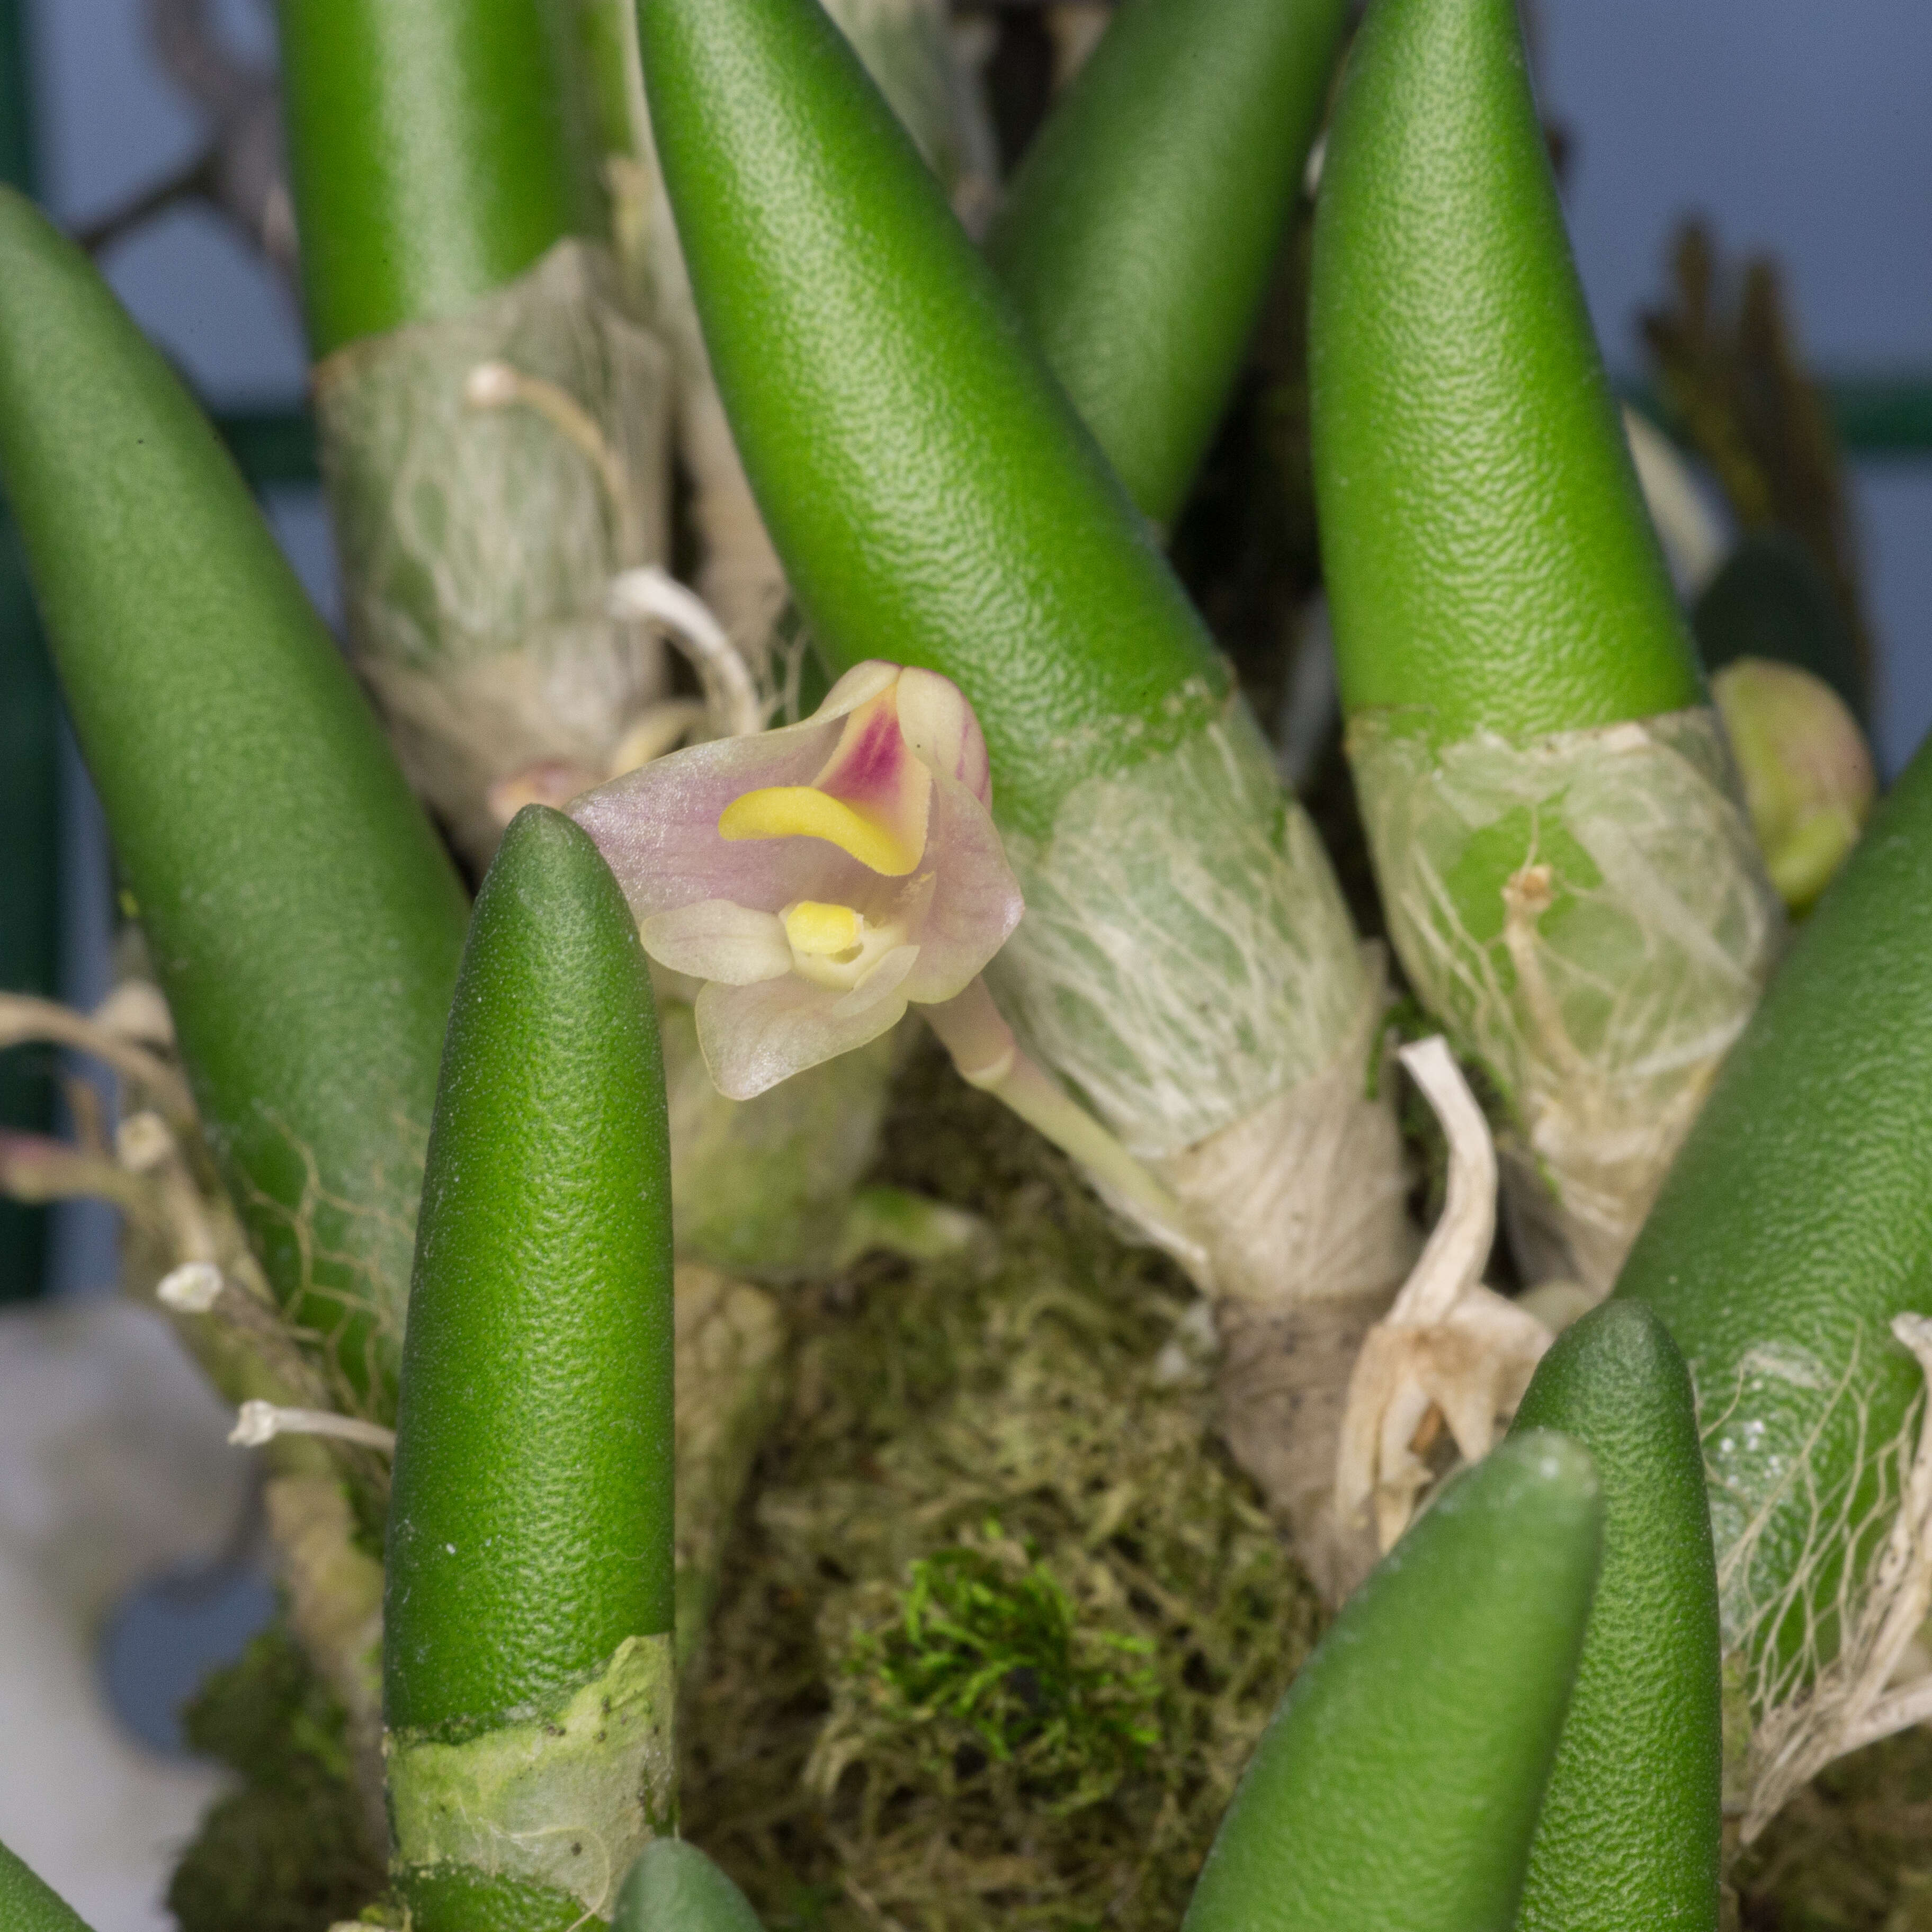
(527, 1671)
(935, 498)
(431, 153)
(1486, 548)
(530, 1530)
(30, 816)
(303, 920)
(1796, 1225)
(674, 1887)
(27, 1904)
(1140, 232)
(459, 1896)
(1629, 1837)
(1398, 1785)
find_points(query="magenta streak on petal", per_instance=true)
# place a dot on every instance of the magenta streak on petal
(941, 729)
(976, 764)
(869, 762)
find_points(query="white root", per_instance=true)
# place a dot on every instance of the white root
(498, 385)
(256, 1423)
(731, 707)
(193, 1288)
(151, 1172)
(650, 595)
(1450, 1350)
(104, 1037)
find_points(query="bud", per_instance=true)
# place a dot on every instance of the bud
(1807, 774)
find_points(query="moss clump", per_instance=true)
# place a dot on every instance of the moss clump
(984, 1660)
(1852, 1852)
(287, 1852)
(1002, 1624)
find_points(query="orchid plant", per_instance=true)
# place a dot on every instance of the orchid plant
(1540, 1648)
(817, 879)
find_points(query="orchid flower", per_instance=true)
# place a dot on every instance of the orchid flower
(817, 879)
(821, 878)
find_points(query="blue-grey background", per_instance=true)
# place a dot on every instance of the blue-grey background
(1797, 126)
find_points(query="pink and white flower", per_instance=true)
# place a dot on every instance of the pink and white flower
(817, 879)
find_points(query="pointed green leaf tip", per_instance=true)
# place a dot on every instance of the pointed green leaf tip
(530, 1527)
(303, 919)
(1140, 233)
(1629, 1833)
(27, 1904)
(1487, 551)
(935, 498)
(1398, 1785)
(674, 1887)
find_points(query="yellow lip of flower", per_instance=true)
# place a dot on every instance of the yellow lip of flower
(872, 798)
(795, 811)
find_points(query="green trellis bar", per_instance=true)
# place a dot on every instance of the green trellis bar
(1875, 416)
(29, 775)
(1879, 415)
(272, 446)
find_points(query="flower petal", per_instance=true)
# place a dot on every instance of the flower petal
(941, 729)
(975, 901)
(882, 983)
(657, 826)
(752, 1037)
(717, 939)
(859, 685)
(873, 770)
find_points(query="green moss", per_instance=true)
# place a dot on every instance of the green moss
(1002, 1624)
(1851, 1853)
(288, 1852)
(984, 1655)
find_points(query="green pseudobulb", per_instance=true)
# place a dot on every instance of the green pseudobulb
(1139, 234)
(303, 920)
(1795, 1227)
(429, 152)
(969, 524)
(674, 1887)
(29, 1905)
(1486, 548)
